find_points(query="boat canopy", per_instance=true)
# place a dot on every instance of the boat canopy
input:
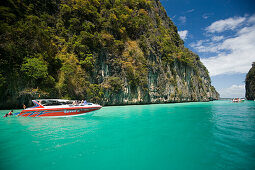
(53, 102)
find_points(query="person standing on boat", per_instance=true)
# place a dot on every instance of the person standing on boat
(24, 106)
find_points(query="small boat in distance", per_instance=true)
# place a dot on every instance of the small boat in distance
(237, 100)
(58, 108)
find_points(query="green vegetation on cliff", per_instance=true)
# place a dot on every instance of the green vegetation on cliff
(250, 84)
(91, 49)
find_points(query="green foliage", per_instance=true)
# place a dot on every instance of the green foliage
(72, 78)
(173, 81)
(138, 24)
(34, 69)
(132, 76)
(2, 81)
(35, 73)
(59, 46)
(88, 62)
(34, 92)
(94, 93)
(135, 65)
(114, 84)
(212, 88)
(200, 80)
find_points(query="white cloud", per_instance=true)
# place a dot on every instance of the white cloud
(206, 46)
(234, 54)
(233, 91)
(217, 38)
(191, 10)
(182, 19)
(207, 15)
(223, 25)
(183, 34)
(252, 19)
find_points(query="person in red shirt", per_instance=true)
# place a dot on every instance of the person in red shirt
(8, 114)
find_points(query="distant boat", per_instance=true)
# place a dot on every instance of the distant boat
(58, 108)
(237, 100)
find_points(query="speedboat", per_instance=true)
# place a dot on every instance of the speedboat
(237, 100)
(58, 108)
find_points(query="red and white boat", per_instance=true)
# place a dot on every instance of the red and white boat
(58, 108)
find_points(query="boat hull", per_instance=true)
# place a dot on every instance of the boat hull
(57, 112)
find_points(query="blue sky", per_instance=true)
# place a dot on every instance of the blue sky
(222, 33)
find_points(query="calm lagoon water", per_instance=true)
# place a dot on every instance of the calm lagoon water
(213, 135)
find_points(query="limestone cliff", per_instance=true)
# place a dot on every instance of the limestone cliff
(175, 82)
(180, 80)
(250, 84)
(108, 52)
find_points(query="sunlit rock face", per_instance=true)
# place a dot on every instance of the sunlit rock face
(179, 80)
(106, 52)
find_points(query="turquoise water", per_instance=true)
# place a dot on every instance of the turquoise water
(213, 135)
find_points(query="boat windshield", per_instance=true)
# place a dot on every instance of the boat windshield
(54, 102)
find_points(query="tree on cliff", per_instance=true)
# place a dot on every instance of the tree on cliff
(93, 49)
(250, 83)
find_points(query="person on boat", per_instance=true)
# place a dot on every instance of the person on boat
(24, 106)
(81, 102)
(8, 114)
(75, 102)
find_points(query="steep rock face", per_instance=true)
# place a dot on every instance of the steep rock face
(250, 84)
(108, 52)
(176, 81)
